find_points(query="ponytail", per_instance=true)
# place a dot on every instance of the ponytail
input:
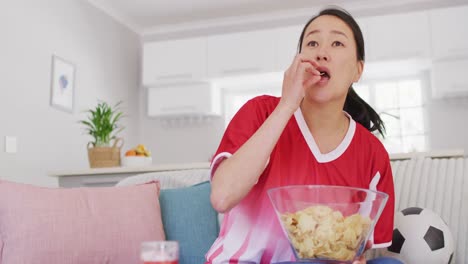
(363, 113)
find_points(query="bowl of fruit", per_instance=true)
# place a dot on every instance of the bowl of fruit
(137, 157)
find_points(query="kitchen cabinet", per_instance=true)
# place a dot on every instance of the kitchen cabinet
(182, 60)
(398, 37)
(286, 40)
(449, 32)
(449, 78)
(240, 53)
(200, 99)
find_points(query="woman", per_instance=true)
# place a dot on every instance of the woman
(318, 132)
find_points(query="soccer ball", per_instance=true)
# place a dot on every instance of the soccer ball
(421, 236)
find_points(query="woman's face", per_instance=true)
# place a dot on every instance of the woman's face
(330, 42)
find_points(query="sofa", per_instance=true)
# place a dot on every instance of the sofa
(108, 224)
(186, 211)
(439, 183)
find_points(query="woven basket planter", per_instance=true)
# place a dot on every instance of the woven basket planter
(104, 157)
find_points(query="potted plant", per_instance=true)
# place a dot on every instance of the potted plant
(102, 124)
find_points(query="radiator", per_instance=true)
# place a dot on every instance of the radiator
(440, 184)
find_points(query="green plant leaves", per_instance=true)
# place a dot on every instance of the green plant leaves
(103, 123)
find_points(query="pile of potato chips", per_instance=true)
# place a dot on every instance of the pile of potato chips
(321, 232)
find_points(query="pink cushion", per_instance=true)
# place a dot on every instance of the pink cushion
(82, 225)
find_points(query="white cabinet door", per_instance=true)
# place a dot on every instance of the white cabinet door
(175, 100)
(449, 78)
(286, 41)
(399, 36)
(240, 53)
(449, 32)
(174, 60)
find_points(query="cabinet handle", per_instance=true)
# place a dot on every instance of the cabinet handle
(108, 182)
(175, 76)
(399, 56)
(240, 71)
(456, 51)
(178, 108)
(458, 87)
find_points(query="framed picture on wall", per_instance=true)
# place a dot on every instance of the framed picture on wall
(62, 84)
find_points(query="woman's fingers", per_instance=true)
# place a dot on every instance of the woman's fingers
(311, 75)
(311, 69)
(312, 62)
(302, 64)
(305, 68)
(295, 64)
(297, 78)
(292, 92)
(300, 59)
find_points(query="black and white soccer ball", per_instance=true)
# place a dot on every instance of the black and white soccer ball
(421, 236)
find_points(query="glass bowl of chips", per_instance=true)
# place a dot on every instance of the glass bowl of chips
(327, 224)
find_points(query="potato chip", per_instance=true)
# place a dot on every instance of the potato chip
(321, 232)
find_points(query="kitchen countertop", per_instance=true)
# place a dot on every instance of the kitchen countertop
(126, 170)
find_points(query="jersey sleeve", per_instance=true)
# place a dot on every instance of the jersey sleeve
(383, 230)
(242, 126)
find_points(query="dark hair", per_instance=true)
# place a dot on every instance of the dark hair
(354, 105)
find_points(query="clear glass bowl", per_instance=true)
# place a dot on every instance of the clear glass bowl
(327, 224)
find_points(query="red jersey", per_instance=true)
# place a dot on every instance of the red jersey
(250, 231)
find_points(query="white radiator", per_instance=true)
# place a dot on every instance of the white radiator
(440, 184)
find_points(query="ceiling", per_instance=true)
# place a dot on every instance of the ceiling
(149, 17)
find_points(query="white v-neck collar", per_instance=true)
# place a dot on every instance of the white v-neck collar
(334, 154)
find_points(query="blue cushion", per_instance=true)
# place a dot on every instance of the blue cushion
(189, 218)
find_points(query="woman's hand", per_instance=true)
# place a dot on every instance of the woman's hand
(301, 74)
(362, 259)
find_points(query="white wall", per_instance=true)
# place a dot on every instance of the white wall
(107, 59)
